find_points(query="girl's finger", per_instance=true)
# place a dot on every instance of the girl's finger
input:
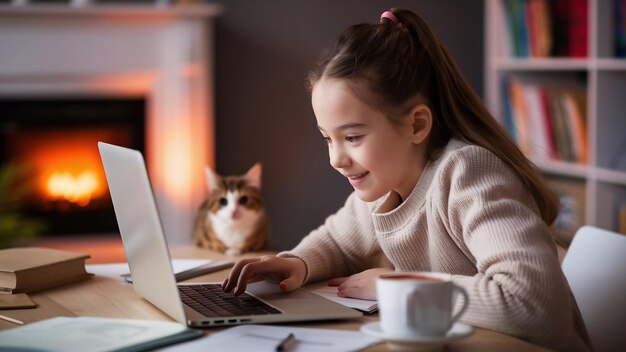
(337, 281)
(355, 292)
(232, 278)
(255, 270)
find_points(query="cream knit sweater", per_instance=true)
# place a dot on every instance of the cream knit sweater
(469, 215)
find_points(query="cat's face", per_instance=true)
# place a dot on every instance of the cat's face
(235, 198)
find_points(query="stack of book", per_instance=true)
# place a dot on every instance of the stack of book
(547, 122)
(31, 269)
(543, 28)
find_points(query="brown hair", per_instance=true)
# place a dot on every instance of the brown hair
(392, 66)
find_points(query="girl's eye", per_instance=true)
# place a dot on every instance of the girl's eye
(223, 201)
(326, 140)
(353, 139)
(243, 200)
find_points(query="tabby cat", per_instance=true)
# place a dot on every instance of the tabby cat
(232, 219)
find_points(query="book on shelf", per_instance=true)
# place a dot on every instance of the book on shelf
(547, 122)
(620, 28)
(31, 269)
(91, 334)
(543, 28)
(575, 104)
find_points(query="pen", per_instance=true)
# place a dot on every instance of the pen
(287, 343)
(14, 321)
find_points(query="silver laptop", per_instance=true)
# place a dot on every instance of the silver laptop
(196, 305)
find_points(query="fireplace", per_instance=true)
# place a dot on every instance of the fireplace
(162, 54)
(56, 140)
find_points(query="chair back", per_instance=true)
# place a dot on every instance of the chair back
(595, 267)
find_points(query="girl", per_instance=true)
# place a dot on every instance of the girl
(438, 186)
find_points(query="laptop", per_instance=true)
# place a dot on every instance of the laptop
(193, 304)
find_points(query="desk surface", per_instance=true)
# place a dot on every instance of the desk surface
(111, 297)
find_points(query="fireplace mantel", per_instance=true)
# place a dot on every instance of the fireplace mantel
(164, 54)
(126, 11)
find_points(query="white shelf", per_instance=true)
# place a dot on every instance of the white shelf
(540, 64)
(605, 79)
(562, 168)
(611, 176)
(611, 64)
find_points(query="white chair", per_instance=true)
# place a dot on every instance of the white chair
(595, 267)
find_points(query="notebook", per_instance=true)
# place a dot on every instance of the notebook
(151, 270)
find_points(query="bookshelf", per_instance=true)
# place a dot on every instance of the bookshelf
(600, 75)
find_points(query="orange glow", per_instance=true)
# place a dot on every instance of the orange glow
(66, 163)
(74, 189)
(178, 160)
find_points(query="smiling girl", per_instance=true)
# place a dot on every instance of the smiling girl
(438, 186)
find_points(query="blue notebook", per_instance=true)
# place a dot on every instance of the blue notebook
(91, 334)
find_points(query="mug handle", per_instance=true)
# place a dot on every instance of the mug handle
(410, 298)
(465, 303)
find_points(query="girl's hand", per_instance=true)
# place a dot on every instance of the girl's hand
(287, 272)
(361, 285)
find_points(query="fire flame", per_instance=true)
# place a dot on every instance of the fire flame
(79, 189)
(66, 162)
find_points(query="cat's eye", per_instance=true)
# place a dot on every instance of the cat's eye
(223, 201)
(243, 200)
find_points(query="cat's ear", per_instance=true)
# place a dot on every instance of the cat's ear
(212, 179)
(253, 176)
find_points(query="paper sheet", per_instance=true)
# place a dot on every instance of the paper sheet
(118, 269)
(267, 338)
(330, 292)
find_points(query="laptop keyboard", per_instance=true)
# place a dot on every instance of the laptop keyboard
(212, 301)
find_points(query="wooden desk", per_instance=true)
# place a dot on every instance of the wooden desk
(111, 297)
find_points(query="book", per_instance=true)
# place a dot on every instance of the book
(93, 334)
(575, 104)
(578, 30)
(560, 125)
(520, 116)
(559, 16)
(31, 269)
(547, 122)
(620, 28)
(537, 133)
(17, 301)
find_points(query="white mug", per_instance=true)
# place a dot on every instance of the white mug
(418, 304)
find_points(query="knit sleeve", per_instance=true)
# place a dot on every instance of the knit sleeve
(519, 288)
(343, 245)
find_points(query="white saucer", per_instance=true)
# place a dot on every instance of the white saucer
(458, 331)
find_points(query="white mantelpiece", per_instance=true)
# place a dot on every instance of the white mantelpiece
(163, 54)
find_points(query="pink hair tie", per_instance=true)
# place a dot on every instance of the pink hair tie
(390, 16)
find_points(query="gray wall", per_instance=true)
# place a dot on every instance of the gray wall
(263, 113)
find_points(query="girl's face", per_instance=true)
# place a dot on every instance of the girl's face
(375, 154)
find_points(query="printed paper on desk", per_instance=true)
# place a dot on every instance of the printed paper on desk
(330, 292)
(118, 269)
(267, 338)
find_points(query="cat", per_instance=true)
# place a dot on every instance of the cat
(232, 219)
